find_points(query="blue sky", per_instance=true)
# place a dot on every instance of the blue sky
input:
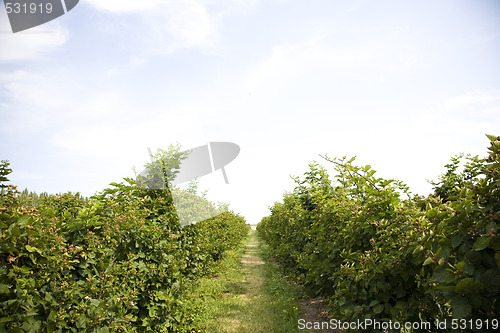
(402, 85)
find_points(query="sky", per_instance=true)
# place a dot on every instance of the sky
(401, 85)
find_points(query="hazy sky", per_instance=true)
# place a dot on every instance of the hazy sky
(402, 85)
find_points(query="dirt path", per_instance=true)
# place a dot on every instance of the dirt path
(255, 298)
(245, 292)
(252, 281)
(249, 303)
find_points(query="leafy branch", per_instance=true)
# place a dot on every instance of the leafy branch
(346, 167)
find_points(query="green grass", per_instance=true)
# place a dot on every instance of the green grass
(248, 295)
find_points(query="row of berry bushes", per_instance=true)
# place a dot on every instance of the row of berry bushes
(377, 252)
(118, 262)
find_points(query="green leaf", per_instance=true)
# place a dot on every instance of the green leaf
(95, 302)
(418, 249)
(442, 275)
(469, 268)
(4, 289)
(481, 243)
(474, 257)
(32, 249)
(53, 315)
(15, 231)
(427, 261)
(475, 299)
(491, 278)
(491, 137)
(5, 319)
(460, 307)
(432, 213)
(378, 308)
(464, 284)
(456, 240)
(491, 226)
(152, 311)
(161, 295)
(460, 266)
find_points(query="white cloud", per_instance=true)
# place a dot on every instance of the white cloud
(184, 24)
(165, 27)
(87, 119)
(192, 24)
(386, 56)
(101, 106)
(122, 6)
(476, 107)
(30, 44)
(30, 89)
(24, 96)
(135, 62)
(352, 7)
(46, 100)
(35, 101)
(139, 132)
(286, 63)
(473, 99)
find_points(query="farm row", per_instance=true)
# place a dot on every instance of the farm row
(117, 262)
(376, 251)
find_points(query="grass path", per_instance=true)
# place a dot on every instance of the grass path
(249, 296)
